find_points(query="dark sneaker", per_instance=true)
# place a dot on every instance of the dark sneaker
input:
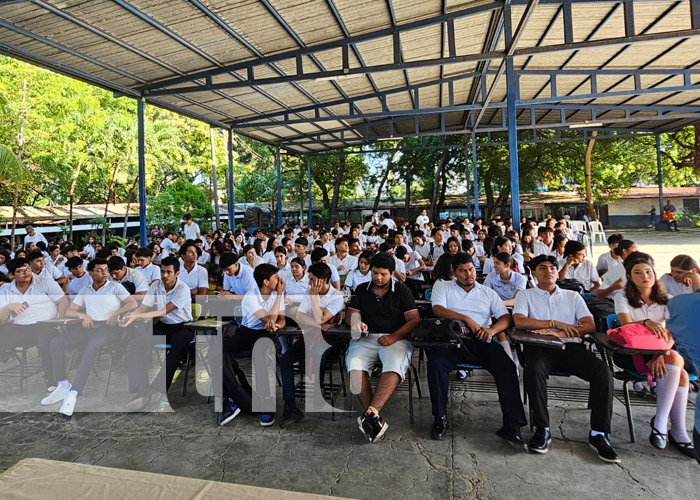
(606, 452)
(513, 438)
(696, 443)
(230, 411)
(462, 375)
(361, 424)
(378, 425)
(291, 417)
(686, 449)
(267, 419)
(439, 428)
(540, 441)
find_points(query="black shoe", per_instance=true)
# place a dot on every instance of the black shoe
(462, 375)
(696, 443)
(513, 438)
(439, 428)
(686, 449)
(290, 417)
(230, 411)
(372, 425)
(606, 452)
(540, 441)
(657, 438)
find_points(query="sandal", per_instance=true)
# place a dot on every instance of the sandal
(686, 449)
(657, 438)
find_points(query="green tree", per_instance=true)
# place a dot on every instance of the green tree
(179, 198)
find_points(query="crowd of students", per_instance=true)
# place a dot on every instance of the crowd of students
(369, 276)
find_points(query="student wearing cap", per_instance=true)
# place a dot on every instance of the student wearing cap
(103, 302)
(563, 313)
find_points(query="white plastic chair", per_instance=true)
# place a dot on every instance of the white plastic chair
(579, 225)
(596, 230)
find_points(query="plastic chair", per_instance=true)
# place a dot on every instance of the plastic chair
(428, 293)
(579, 225)
(596, 231)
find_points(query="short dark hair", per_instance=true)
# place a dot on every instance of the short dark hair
(504, 257)
(280, 249)
(16, 263)
(460, 259)
(114, 263)
(298, 260)
(401, 251)
(321, 270)
(302, 241)
(227, 260)
(145, 252)
(340, 240)
(541, 259)
(74, 262)
(318, 254)
(614, 239)
(171, 260)
(383, 261)
(190, 243)
(573, 247)
(264, 272)
(96, 262)
(36, 254)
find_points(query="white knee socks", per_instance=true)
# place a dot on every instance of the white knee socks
(678, 410)
(665, 395)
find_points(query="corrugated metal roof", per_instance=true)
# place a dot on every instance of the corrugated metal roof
(620, 64)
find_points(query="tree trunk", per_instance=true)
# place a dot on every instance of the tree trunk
(340, 173)
(443, 190)
(592, 212)
(385, 177)
(128, 206)
(215, 188)
(408, 189)
(488, 191)
(109, 197)
(71, 198)
(436, 181)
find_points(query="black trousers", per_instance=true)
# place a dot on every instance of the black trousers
(137, 354)
(441, 360)
(234, 382)
(575, 360)
(297, 353)
(37, 335)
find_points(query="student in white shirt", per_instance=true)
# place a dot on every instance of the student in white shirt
(321, 307)
(281, 259)
(296, 280)
(149, 270)
(544, 246)
(646, 303)
(678, 281)
(608, 260)
(103, 301)
(414, 265)
(238, 279)
(263, 314)
(386, 220)
(615, 279)
(269, 255)
(432, 250)
(168, 245)
(342, 260)
(560, 241)
(562, 313)
(300, 249)
(251, 257)
(191, 273)
(422, 220)
(33, 236)
(320, 255)
(503, 280)
(474, 304)
(191, 228)
(168, 300)
(503, 244)
(204, 256)
(362, 274)
(131, 279)
(78, 277)
(41, 268)
(579, 268)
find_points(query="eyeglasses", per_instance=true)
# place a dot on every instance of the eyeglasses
(23, 270)
(101, 270)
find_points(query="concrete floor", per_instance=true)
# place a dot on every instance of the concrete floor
(334, 458)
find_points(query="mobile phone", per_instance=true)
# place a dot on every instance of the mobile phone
(25, 304)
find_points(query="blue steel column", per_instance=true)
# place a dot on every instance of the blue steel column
(231, 200)
(660, 174)
(466, 171)
(311, 202)
(512, 95)
(142, 171)
(279, 186)
(477, 212)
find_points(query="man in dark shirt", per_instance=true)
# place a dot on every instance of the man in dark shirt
(383, 314)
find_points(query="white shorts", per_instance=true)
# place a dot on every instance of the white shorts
(364, 353)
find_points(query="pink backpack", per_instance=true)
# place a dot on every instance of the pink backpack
(637, 336)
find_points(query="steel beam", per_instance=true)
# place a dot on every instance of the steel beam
(477, 210)
(279, 186)
(512, 95)
(231, 198)
(311, 200)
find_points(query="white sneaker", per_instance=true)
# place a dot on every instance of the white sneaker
(68, 405)
(59, 394)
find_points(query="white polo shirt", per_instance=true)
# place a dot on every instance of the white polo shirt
(242, 282)
(151, 272)
(334, 301)
(294, 289)
(585, 273)
(480, 303)
(253, 302)
(506, 291)
(413, 263)
(655, 312)
(197, 278)
(76, 284)
(356, 278)
(136, 277)
(489, 268)
(100, 304)
(542, 249)
(607, 262)
(349, 262)
(191, 231)
(673, 288)
(42, 295)
(178, 296)
(50, 271)
(167, 246)
(204, 258)
(566, 306)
